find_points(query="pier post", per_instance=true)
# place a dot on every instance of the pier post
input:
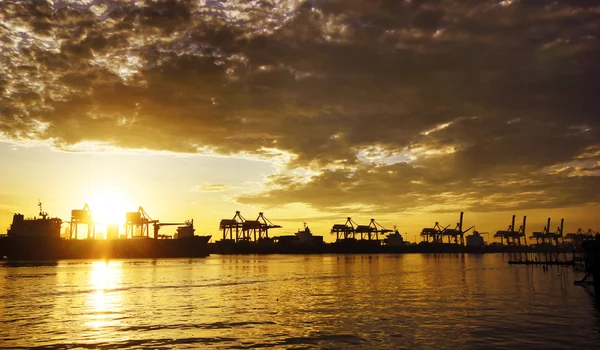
(524, 233)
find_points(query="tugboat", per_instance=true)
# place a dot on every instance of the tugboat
(39, 239)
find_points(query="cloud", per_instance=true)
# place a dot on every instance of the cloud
(392, 104)
(210, 188)
(408, 187)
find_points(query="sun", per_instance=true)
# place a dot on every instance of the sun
(108, 207)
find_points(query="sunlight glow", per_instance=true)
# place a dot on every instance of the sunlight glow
(437, 128)
(423, 152)
(109, 207)
(104, 303)
(379, 154)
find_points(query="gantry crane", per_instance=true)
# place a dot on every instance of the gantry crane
(434, 233)
(378, 229)
(457, 234)
(578, 237)
(548, 237)
(371, 231)
(512, 236)
(260, 226)
(246, 230)
(230, 225)
(81, 217)
(135, 220)
(346, 230)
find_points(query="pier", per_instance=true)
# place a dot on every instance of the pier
(542, 263)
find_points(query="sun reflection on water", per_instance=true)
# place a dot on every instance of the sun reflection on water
(104, 303)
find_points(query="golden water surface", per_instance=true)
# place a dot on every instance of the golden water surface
(321, 301)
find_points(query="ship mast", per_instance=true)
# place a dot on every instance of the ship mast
(42, 214)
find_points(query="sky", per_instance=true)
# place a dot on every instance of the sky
(408, 112)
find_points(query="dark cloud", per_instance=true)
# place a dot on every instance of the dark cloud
(450, 100)
(437, 187)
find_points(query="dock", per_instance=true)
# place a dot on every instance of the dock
(544, 263)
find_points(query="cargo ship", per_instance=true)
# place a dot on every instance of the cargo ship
(39, 239)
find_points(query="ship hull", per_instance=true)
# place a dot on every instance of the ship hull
(263, 248)
(25, 248)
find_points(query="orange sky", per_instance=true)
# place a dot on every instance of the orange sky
(175, 188)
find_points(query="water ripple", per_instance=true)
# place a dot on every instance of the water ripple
(300, 302)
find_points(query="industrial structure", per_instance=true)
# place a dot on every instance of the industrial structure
(512, 236)
(137, 223)
(456, 235)
(81, 217)
(350, 237)
(246, 230)
(352, 231)
(39, 238)
(112, 231)
(433, 234)
(576, 239)
(549, 238)
(344, 231)
(372, 231)
(230, 225)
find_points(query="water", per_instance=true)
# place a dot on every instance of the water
(236, 302)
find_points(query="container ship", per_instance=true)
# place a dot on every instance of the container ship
(39, 238)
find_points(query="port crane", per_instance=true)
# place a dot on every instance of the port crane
(512, 236)
(138, 221)
(80, 217)
(346, 230)
(379, 229)
(457, 233)
(246, 230)
(434, 233)
(547, 237)
(230, 225)
(260, 226)
(578, 237)
(371, 231)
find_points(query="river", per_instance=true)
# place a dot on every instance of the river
(411, 301)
